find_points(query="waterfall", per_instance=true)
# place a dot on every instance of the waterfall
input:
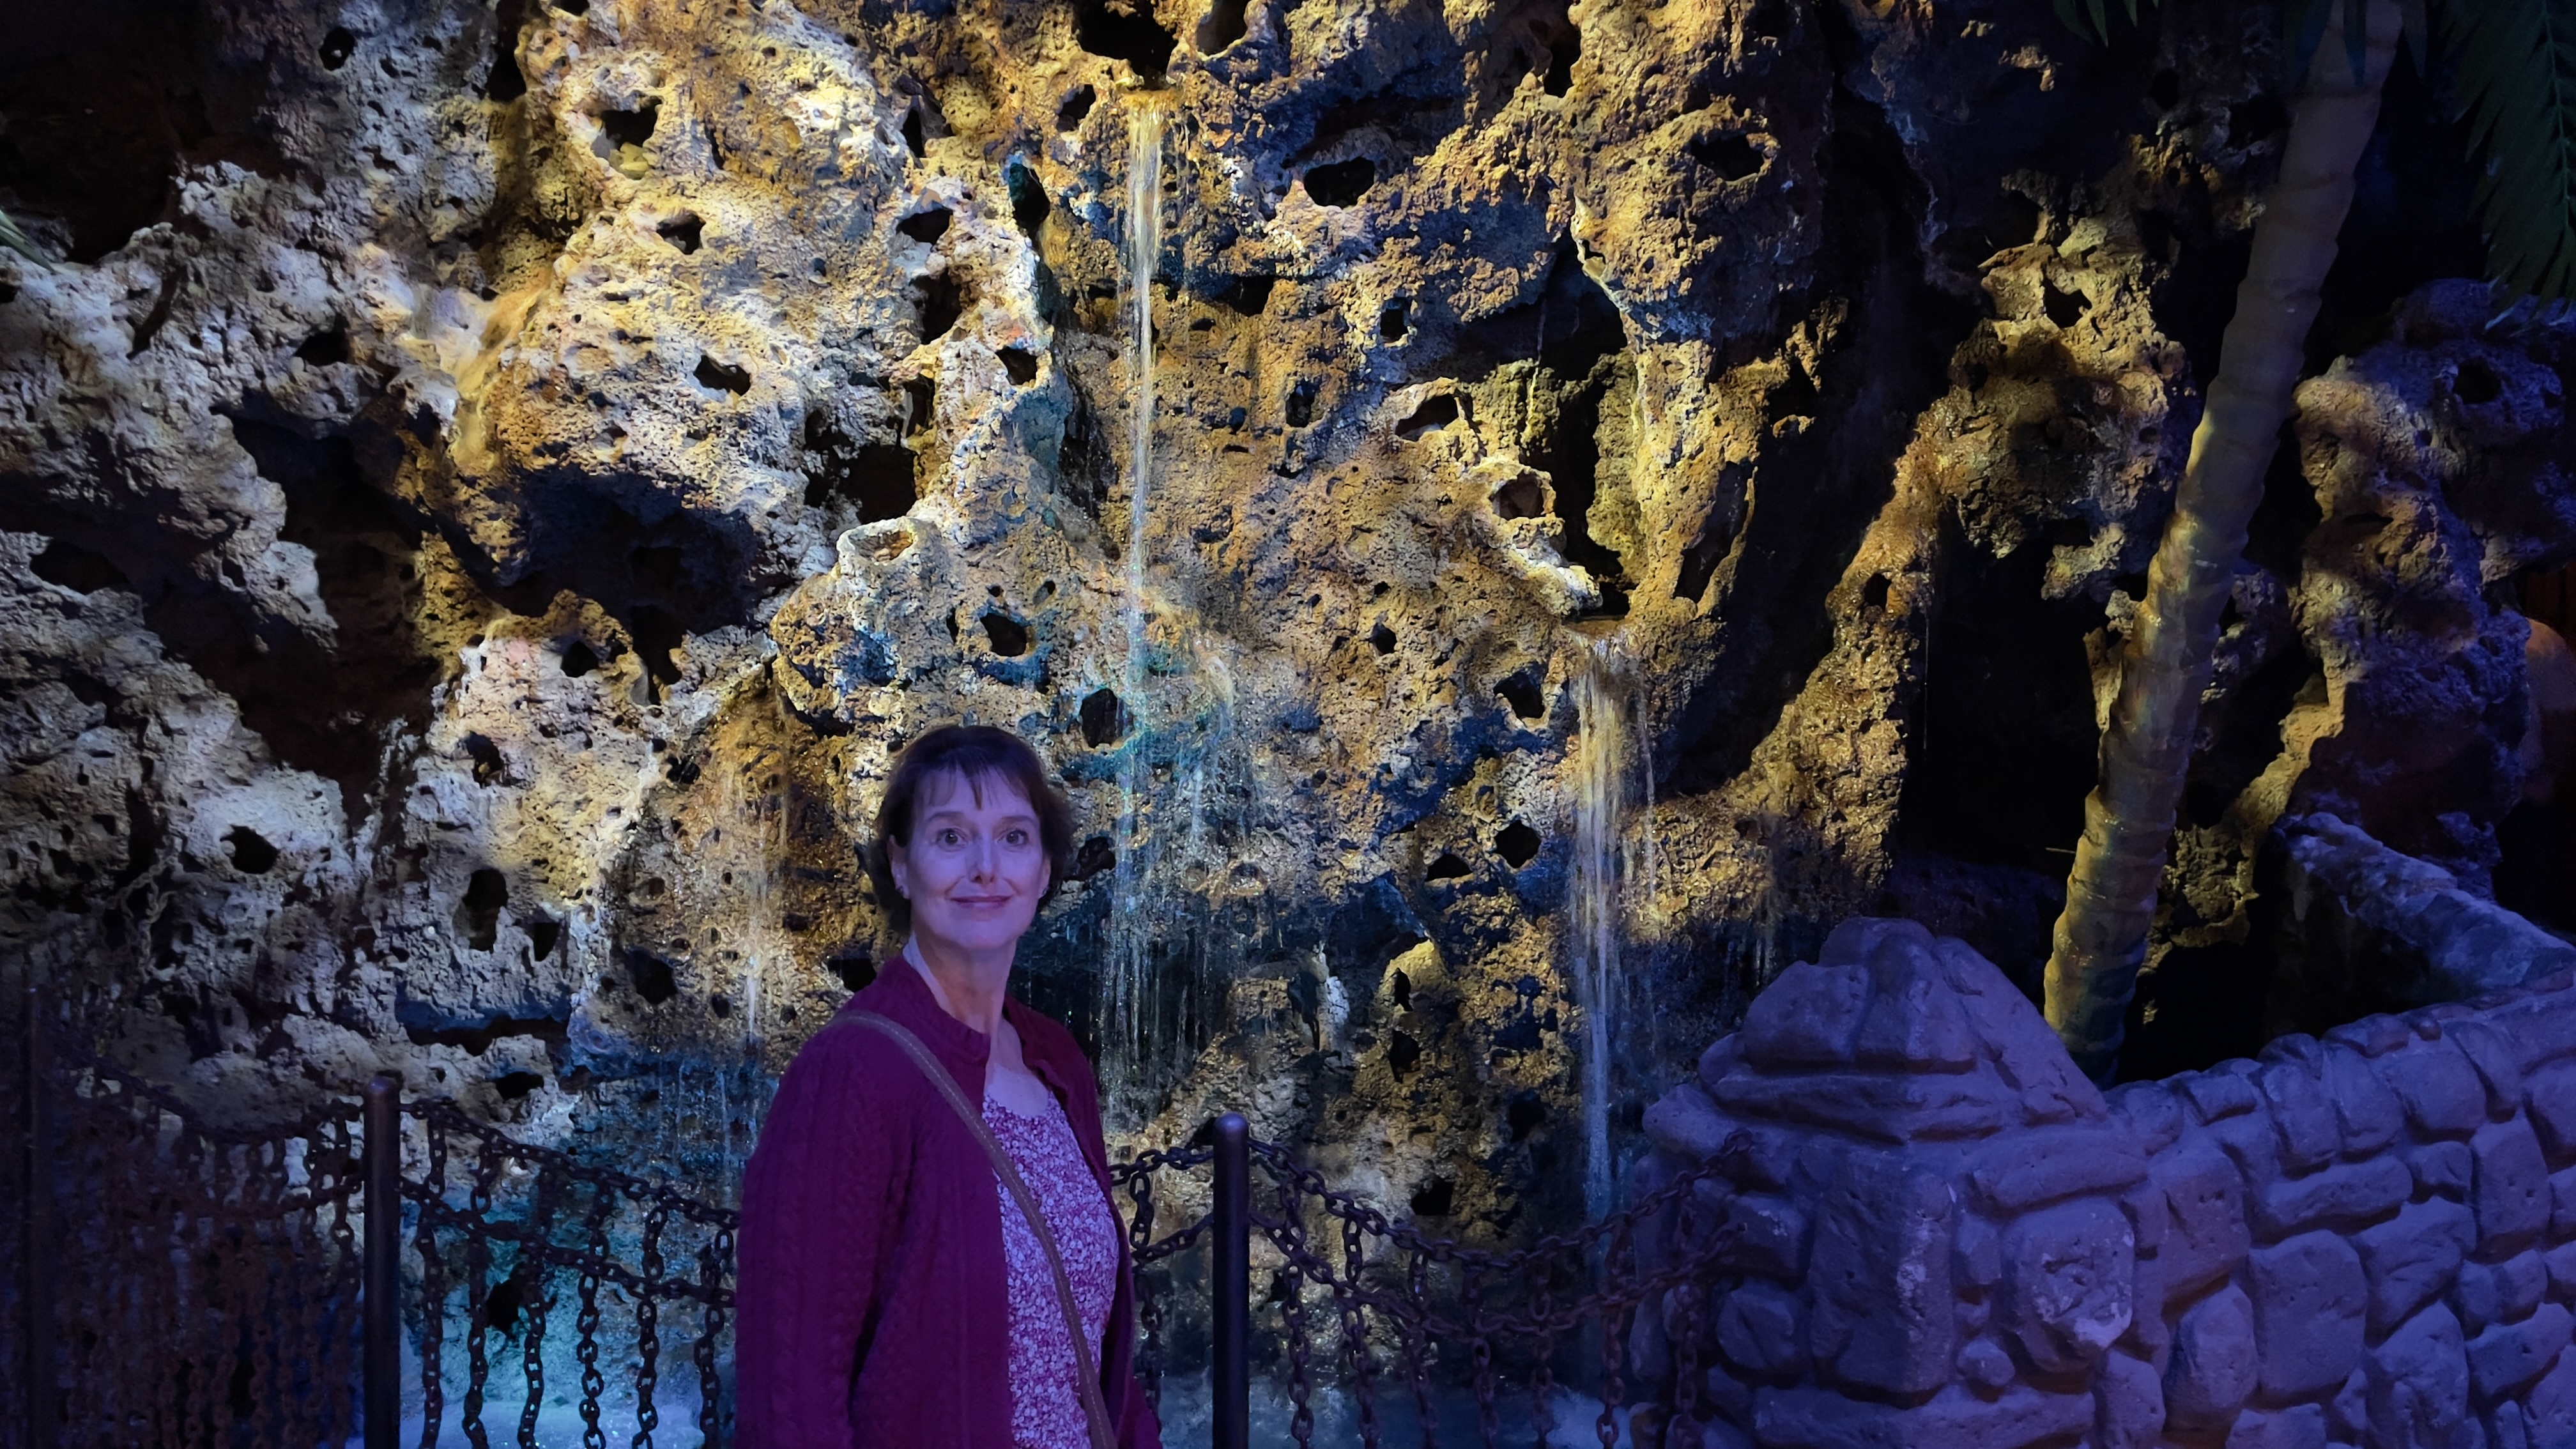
(1600, 769)
(744, 843)
(1130, 925)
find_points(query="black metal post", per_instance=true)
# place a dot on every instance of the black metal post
(382, 1301)
(42, 1415)
(1230, 1280)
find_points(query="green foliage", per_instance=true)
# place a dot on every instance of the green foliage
(2516, 82)
(2091, 19)
(12, 239)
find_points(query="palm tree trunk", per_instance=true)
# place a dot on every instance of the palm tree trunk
(2101, 940)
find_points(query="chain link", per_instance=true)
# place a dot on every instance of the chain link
(252, 1353)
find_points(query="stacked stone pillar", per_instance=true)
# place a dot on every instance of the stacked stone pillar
(1947, 1237)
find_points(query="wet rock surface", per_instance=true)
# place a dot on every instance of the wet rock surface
(485, 491)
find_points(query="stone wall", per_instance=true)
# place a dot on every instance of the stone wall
(1949, 1237)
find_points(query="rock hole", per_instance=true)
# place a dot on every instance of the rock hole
(1104, 718)
(685, 232)
(159, 317)
(337, 46)
(1069, 116)
(926, 227)
(1342, 183)
(1437, 1198)
(1873, 595)
(1222, 26)
(658, 637)
(1248, 296)
(2252, 122)
(1390, 322)
(2475, 383)
(1437, 411)
(721, 377)
(915, 138)
(1562, 53)
(857, 970)
(872, 481)
(1523, 496)
(1124, 31)
(1706, 552)
(1524, 1116)
(1795, 397)
(501, 1305)
(1301, 405)
(478, 916)
(544, 934)
(652, 976)
(573, 7)
(1401, 988)
(1733, 158)
(488, 764)
(630, 128)
(2063, 308)
(327, 346)
(1382, 638)
(1095, 856)
(503, 82)
(2165, 89)
(80, 570)
(1020, 363)
(1521, 693)
(514, 1085)
(1029, 204)
(251, 853)
(1517, 844)
(1008, 636)
(721, 1005)
(1403, 1053)
(1447, 867)
(941, 303)
(579, 659)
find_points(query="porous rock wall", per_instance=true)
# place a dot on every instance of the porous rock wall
(485, 488)
(1948, 1237)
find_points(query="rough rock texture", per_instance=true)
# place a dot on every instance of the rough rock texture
(484, 491)
(2368, 1239)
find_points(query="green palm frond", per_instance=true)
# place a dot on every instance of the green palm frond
(2092, 19)
(17, 241)
(2517, 84)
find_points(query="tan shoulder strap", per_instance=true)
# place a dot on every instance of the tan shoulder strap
(1086, 1372)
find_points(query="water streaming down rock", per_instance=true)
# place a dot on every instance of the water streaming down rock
(1593, 908)
(1130, 934)
(746, 844)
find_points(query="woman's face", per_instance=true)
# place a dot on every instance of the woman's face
(975, 868)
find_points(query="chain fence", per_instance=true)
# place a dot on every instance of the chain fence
(182, 1282)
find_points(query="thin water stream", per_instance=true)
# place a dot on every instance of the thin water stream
(1593, 904)
(1130, 925)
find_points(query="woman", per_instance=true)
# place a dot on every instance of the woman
(890, 1291)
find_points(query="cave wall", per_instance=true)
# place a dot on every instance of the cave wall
(484, 491)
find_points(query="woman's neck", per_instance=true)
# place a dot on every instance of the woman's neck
(967, 987)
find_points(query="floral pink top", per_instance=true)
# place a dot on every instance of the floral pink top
(1046, 1404)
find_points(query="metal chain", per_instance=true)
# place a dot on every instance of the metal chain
(257, 1353)
(648, 1336)
(433, 1287)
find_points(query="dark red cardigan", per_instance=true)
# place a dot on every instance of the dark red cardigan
(871, 1308)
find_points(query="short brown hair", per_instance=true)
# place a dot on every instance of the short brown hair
(980, 753)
